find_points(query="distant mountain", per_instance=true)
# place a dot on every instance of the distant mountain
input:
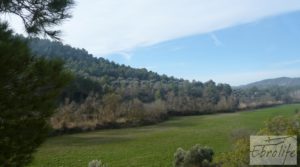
(275, 82)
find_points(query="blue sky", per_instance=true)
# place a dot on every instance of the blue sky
(229, 41)
(237, 55)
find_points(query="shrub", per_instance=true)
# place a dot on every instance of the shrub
(96, 163)
(179, 157)
(197, 156)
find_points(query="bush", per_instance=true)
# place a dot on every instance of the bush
(197, 156)
(96, 163)
(179, 157)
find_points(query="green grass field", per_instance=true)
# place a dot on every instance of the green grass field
(152, 146)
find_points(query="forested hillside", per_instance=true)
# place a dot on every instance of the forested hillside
(105, 94)
(275, 82)
(268, 92)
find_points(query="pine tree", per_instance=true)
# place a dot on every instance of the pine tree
(29, 87)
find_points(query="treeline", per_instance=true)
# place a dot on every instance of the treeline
(105, 94)
(142, 103)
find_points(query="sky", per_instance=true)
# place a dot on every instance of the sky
(228, 41)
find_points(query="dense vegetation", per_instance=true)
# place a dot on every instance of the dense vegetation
(105, 94)
(28, 89)
(29, 86)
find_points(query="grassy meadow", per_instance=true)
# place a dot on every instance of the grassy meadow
(152, 146)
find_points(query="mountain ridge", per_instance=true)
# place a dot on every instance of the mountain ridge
(274, 82)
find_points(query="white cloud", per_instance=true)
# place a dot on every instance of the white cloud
(108, 26)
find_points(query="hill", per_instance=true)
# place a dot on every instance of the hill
(270, 91)
(276, 82)
(106, 94)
